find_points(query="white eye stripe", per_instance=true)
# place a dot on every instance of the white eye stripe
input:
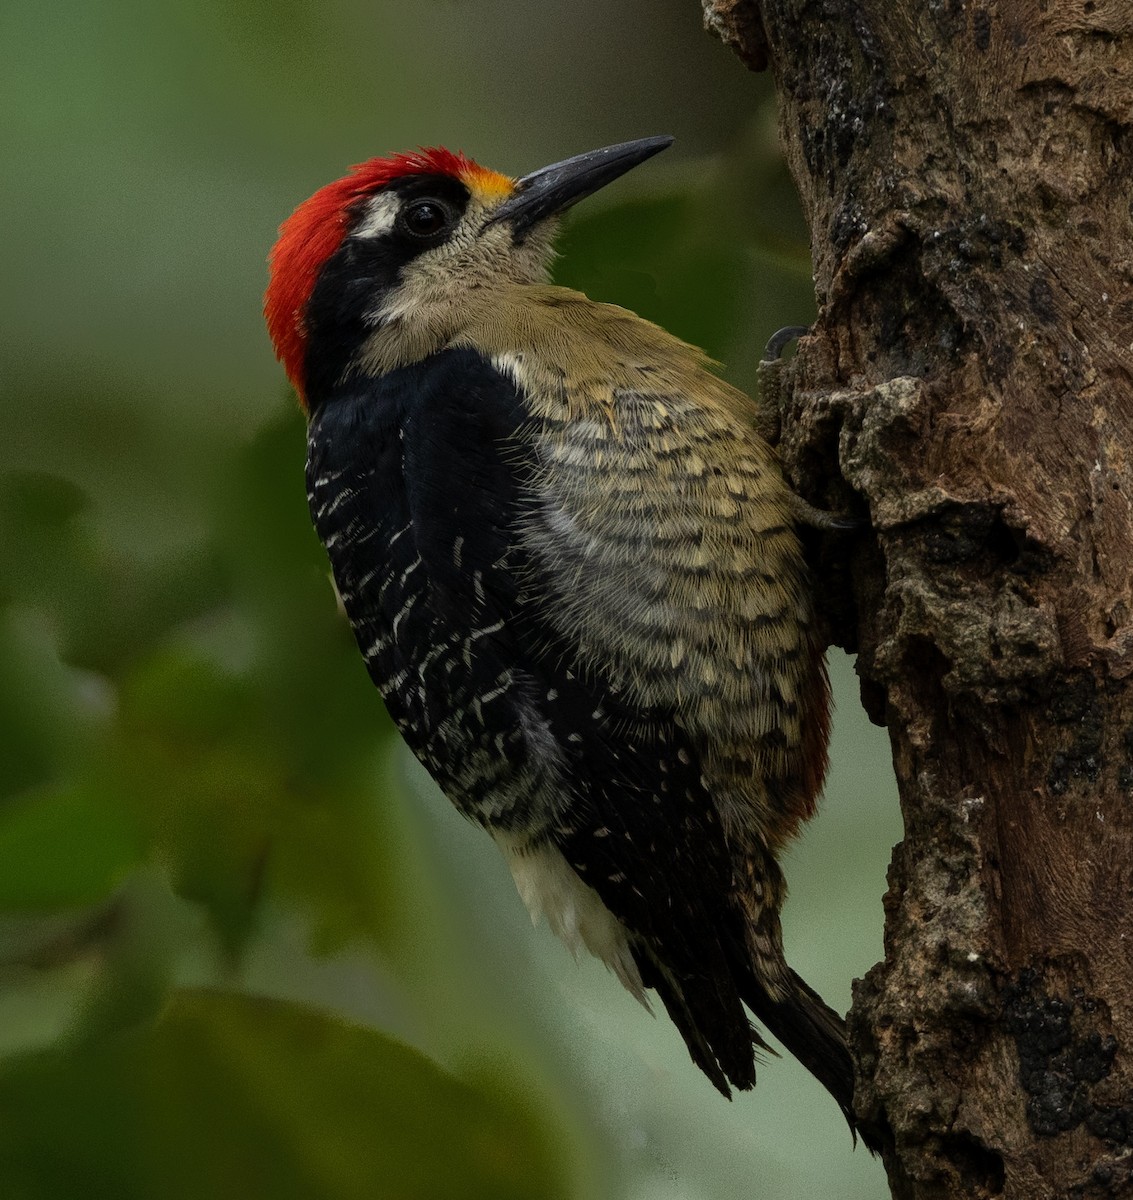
(381, 213)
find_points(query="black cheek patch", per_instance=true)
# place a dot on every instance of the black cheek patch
(359, 274)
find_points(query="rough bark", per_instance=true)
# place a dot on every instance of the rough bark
(967, 171)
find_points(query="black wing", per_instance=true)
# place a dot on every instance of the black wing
(417, 484)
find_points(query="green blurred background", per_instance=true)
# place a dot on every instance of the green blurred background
(246, 950)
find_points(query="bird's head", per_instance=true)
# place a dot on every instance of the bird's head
(386, 241)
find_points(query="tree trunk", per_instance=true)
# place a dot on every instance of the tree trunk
(967, 172)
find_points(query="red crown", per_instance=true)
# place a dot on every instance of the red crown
(315, 230)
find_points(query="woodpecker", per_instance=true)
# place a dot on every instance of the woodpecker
(573, 569)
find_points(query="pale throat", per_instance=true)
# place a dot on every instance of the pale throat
(444, 294)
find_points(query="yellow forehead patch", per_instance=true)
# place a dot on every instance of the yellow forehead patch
(490, 185)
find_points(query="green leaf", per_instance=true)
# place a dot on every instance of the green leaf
(49, 713)
(71, 847)
(233, 1096)
(238, 801)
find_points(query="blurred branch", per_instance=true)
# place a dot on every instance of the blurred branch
(966, 174)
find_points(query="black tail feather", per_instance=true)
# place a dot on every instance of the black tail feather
(816, 1035)
(710, 1018)
(708, 1010)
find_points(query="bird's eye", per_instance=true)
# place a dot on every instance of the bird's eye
(424, 218)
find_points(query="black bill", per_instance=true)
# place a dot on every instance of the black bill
(554, 189)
